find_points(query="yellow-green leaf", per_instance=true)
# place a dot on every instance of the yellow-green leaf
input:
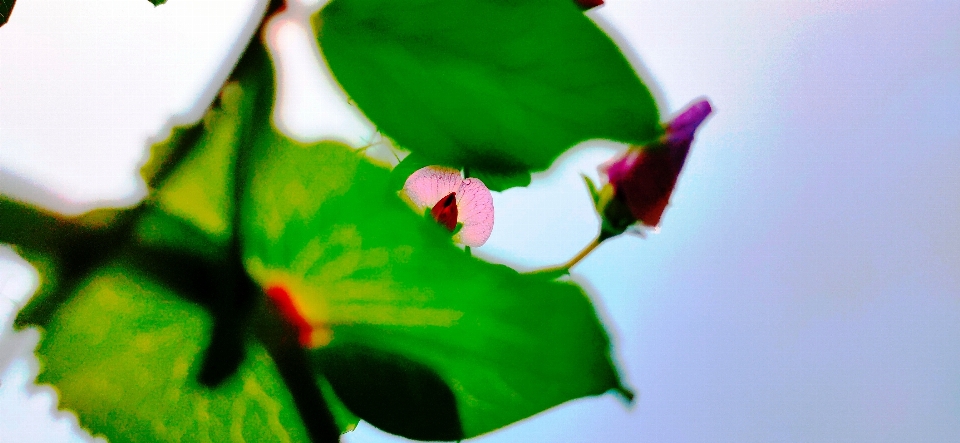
(124, 354)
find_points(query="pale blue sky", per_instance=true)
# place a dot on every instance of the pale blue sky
(805, 285)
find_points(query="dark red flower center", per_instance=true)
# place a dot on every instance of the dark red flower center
(445, 211)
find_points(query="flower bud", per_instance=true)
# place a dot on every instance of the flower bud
(642, 180)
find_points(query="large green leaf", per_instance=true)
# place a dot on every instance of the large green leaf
(427, 342)
(124, 354)
(502, 87)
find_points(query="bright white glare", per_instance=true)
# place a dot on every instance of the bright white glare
(85, 84)
(310, 104)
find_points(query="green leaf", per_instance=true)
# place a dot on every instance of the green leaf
(124, 354)
(501, 87)
(198, 193)
(6, 8)
(396, 394)
(157, 2)
(57, 246)
(414, 320)
(29, 226)
(410, 164)
(43, 301)
(193, 209)
(501, 182)
(345, 419)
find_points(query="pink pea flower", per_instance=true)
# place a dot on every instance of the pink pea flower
(643, 179)
(453, 202)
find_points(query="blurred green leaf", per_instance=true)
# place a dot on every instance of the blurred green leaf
(124, 354)
(193, 209)
(57, 246)
(200, 170)
(345, 419)
(36, 228)
(167, 153)
(157, 2)
(406, 305)
(502, 87)
(410, 164)
(48, 268)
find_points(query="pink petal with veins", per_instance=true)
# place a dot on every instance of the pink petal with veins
(428, 185)
(475, 204)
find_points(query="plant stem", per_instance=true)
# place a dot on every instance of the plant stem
(583, 253)
(565, 268)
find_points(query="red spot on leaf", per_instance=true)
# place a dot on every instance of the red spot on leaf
(288, 310)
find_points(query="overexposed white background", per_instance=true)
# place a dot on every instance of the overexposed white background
(805, 285)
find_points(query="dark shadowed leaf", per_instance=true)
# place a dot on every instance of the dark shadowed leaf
(393, 393)
(502, 87)
(6, 8)
(57, 246)
(403, 302)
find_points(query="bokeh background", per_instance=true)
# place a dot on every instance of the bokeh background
(804, 287)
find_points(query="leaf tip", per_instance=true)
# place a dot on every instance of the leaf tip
(624, 394)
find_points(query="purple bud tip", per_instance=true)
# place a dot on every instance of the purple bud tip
(682, 127)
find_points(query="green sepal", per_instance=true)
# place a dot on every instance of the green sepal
(592, 189)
